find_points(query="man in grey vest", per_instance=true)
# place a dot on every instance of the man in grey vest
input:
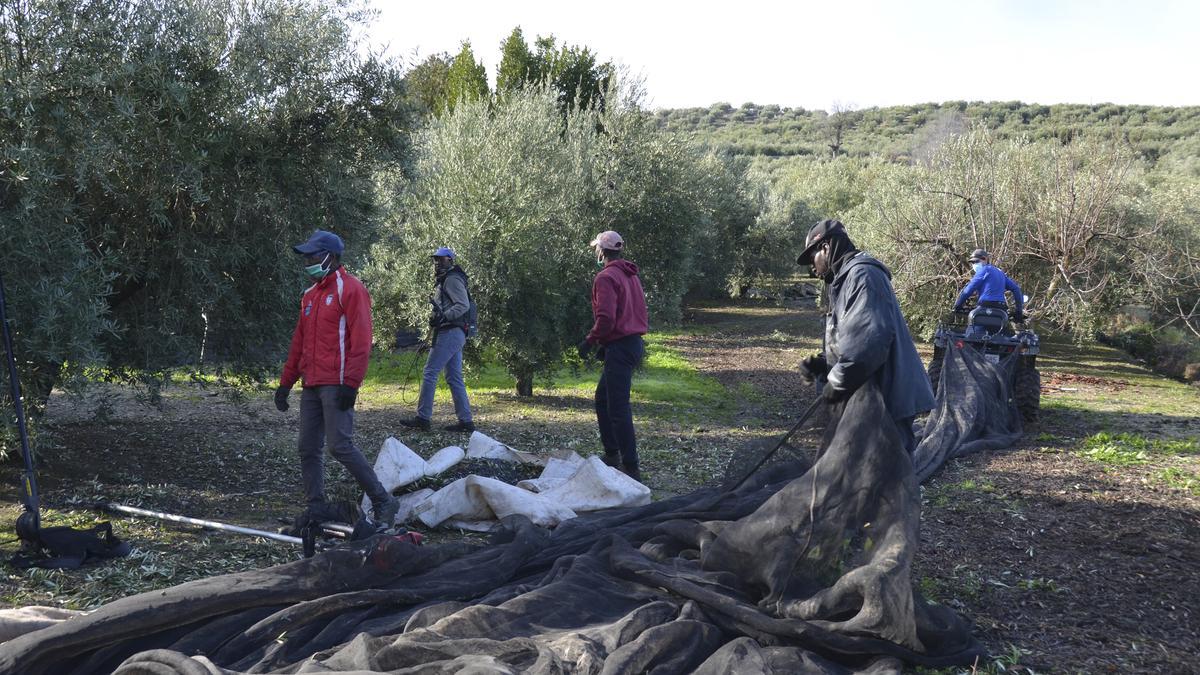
(449, 322)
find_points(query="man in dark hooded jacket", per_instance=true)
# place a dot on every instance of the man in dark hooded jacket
(866, 336)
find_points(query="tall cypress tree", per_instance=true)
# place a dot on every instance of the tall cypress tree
(467, 79)
(516, 63)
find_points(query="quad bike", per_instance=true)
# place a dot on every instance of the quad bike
(988, 330)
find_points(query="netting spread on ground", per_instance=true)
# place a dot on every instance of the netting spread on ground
(974, 410)
(803, 569)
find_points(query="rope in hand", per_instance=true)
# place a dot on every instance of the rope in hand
(408, 373)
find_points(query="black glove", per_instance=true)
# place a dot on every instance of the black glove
(435, 317)
(832, 395)
(281, 395)
(346, 396)
(960, 310)
(585, 349)
(813, 368)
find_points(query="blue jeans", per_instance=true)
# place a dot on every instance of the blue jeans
(614, 415)
(446, 355)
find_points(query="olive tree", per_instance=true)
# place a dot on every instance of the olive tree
(519, 187)
(682, 210)
(1061, 219)
(158, 158)
(1173, 279)
(510, 192)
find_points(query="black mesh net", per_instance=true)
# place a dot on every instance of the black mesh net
(975, 409)
(801, 569)
(766, 452)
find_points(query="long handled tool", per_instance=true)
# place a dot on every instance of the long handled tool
(308, 541)
(29, 522)
(211, 524)
(782, 441)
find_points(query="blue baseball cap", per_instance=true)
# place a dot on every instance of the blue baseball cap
(321, 242)
(443, 252)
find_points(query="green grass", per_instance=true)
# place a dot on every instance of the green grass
(1181, 479)
(970, 485)
(1125, 449)
(1128, 386)
(1008, 662)
(666, 382)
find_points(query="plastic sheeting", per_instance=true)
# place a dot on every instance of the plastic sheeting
(568, 485)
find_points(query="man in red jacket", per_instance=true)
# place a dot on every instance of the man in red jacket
(619, 310)
(330, 349)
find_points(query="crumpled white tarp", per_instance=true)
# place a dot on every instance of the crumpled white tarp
(484, 446)
(568, 485)
(397, 465)
(22, 620)
(478, 498)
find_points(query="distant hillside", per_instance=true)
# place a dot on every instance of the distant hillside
(900, 133)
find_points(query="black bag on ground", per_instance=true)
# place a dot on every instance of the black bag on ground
(67, 548)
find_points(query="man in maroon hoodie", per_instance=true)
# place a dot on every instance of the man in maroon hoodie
(619, 309)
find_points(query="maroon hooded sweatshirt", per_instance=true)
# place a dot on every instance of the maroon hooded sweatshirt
(618, 303)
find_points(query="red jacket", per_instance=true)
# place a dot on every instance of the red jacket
(618, 303)
(332, 340)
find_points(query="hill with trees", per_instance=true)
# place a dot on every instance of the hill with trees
(905, 133)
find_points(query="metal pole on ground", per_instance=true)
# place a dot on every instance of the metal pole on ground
(211, 524)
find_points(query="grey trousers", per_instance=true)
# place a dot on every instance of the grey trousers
(321, 424)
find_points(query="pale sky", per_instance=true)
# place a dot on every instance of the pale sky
(862, 53)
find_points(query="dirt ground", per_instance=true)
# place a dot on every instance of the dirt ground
(1065, 564)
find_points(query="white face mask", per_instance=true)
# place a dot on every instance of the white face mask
(319, 270)
(977, 266)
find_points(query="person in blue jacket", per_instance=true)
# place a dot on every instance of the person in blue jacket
(990, 282)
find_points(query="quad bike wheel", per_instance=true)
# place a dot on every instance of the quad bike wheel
(1027, 388)
(935, 368)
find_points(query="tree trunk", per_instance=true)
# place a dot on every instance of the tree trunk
(525, 384)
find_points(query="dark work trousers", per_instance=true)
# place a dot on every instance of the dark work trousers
(321, 424)
(614, 415)
(907, 438)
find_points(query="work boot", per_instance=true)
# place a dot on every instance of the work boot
(416, 422)
(461, 427)
(612, 458)
(632, 471)
(384, 514)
